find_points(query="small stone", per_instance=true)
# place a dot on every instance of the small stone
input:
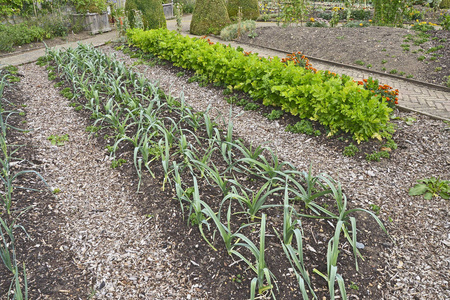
(359, 245)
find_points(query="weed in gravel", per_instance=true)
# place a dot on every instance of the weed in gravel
(201, 79)
(393, 71)
(67, 93)
(304, 126)
(117, 163)
(180, 74)
(93, 129)
(377, 155)
(375, 208)
(42, 61)
(242, 102)
(59, 84)
(350, 150)
(251, 106)
(431, 187)
(421, 58)
(354, 286)
(447, 79)
(58, 140)
(405, 47)
(231, 99)
(274, 114)
(51, 75)
(359, 62)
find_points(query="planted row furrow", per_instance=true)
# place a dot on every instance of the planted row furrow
(195, 153)
(10, 216)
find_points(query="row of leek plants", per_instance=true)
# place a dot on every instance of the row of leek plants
(18, 288)
(162, 128)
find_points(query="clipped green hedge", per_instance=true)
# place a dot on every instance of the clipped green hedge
(209, 16)
(152, 13)
(336, 102)
(249, 9)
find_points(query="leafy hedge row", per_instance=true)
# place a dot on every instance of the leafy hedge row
(335, 101)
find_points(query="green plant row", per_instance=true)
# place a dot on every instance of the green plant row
(18, 289)
(136, 112)
(336, 102)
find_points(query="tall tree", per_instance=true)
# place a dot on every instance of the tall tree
(209, 16)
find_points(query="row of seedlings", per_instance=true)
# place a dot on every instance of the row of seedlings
(195, 152)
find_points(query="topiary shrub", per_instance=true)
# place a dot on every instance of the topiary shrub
(249, 9)
(209, 16)
(152, 13)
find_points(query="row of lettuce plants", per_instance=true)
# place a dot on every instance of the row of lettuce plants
(337, 102)
(193, 149)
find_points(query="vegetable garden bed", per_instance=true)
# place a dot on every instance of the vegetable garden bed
(214, 273)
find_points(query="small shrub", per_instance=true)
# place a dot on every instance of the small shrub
(350, 150)
(251, 106)
(232, 31)
(376, 156)
(242, 102)
(274, 114)
(304, 126)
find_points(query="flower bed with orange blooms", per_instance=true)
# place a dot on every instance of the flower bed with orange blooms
(337, 102)
(387, 92)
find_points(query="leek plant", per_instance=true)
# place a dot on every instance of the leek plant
(263, 280)
(252, 204)
(8, 256)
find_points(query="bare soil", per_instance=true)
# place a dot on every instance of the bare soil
(375, 48)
